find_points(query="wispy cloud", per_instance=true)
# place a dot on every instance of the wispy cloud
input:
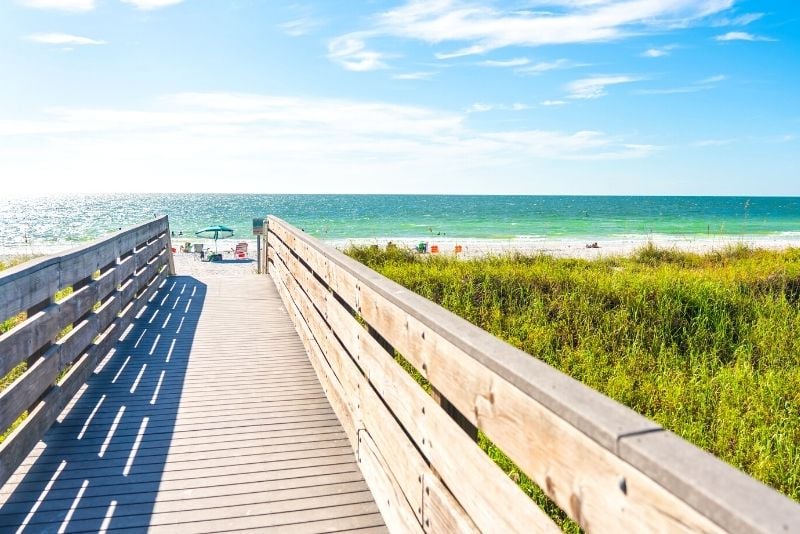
(148, 5)
(523, 65)
(595, 86)
(470, 51)
(421, 75)
(550, 103)
(352, 53)
(485, 27)
(740, 20)
(300, 27)
(62, 5)
(515, 62)
(700, 85)
(711, 80)
(545, 66)
(202, 136)
(741, 36)
(659, 51)
(62, 39)
(480, 107)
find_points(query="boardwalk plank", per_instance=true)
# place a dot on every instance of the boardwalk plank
(208, 415)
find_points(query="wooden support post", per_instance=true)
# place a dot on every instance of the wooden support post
(170, 258)
(258, 253)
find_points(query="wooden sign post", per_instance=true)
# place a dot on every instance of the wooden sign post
(258, 231)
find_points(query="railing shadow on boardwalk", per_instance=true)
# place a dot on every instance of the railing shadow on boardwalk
(101, 467)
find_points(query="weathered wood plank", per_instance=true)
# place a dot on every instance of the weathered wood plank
(273, 455)
(23, 286)
(42, 327)
(25, 391)
(488, 496)
(558, 477)
(503, 391)
(17, 446)
(96, 507)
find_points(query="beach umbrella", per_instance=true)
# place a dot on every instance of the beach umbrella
(214, 232)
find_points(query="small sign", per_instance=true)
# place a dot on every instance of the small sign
(258, 226)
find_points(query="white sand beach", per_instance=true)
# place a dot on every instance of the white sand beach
(576, 248)
(566, 247)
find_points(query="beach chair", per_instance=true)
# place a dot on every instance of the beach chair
(241, 251)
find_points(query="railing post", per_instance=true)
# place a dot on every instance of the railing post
(265, 260)
(170, 259)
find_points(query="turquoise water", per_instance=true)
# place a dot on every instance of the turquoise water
(71, 219)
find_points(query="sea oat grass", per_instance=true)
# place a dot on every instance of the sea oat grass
(706, 345)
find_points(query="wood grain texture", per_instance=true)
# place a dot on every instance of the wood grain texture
(605, 465)
(93, 331)
(208, 415)
(387, 392)
(25, 285)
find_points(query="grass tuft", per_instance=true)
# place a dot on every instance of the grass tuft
(707, 345)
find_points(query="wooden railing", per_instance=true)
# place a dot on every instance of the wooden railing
(607, 467)
(63, 341)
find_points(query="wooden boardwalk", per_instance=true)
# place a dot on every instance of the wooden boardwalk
(206, 417)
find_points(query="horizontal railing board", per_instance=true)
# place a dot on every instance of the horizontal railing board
(33, 333)
(760, 509)
(593, 415)
(25, 390)
(37, 330)
(396, 512)
(17, 446)
(419, 414)
(23, 287)
(598, 416)
(27, 284)
(122, 290)
(421, 418)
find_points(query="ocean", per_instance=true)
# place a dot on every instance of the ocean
(50, 222)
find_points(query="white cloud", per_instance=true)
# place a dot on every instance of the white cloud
(553, 102)
(267, 142)
(148, 5)
(485, 27)
(515, 62)
(480, 107)
(712, 79)
(545, 66)
(595, 86)
(700, 85)
(741, 20)
(426, 75)
(469, 51)
(63, 5)
(351, 52)
(741, 36)
(660, 51)
(300, 27)
(582, 145)
(62, 39)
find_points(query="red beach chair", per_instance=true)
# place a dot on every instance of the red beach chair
(241, 251)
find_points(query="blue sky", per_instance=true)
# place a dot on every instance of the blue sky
(444, 96)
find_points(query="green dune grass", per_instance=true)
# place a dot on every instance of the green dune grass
(706, 345)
